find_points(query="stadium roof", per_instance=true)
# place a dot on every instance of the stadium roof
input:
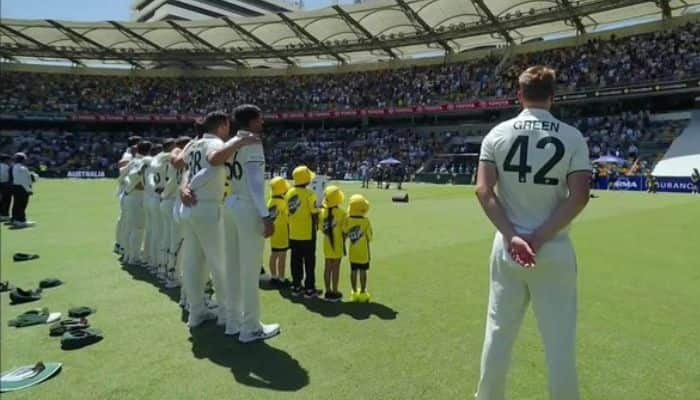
(380, 30)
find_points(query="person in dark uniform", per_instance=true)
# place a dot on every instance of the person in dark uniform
(400, 175)
(652, 184)
(612, 178)
(695, 177)
(5, 187)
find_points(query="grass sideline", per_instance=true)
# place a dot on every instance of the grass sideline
(422, 336)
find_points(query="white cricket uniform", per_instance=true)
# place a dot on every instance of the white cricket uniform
(167, 199)
(157, 181)
(134, 209)
(243, 215)
(534, 153)
(176, 234)
(122, 235)
(203, 229)
(151, 206)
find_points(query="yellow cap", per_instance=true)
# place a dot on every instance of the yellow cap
(333, 197)
(302, 175)
(279, 186)
(359, 206)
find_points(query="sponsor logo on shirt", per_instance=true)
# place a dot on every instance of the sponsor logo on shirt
(294, 204)
(273, 212)
(355, 234)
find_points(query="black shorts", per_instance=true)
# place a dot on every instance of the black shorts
(280, 250)
(359, 267)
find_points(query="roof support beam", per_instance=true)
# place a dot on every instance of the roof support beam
(416, 19)
(303, 32)
(77, 37)
(238, 28)
(128, 32)
(665, 8)
(482, 6)
(59, 53)
(580, 28)
(194, 39)
(353, 22)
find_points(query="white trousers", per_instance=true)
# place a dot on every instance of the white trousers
(176, 243)
(203, 252)
(133, 207)
(551, 287)
(122, 234)
(152, 229)
(166, 231)
(244, 254)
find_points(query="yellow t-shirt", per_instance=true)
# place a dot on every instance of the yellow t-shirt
(332, 229)
(278, 210)
(359, 231)
(301, 203)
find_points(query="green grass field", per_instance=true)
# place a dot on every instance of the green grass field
(639, 318)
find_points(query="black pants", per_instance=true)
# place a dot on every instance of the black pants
(303, 262)
(19, 206)
(5, 199)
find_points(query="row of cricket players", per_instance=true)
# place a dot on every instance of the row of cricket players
(194, 210)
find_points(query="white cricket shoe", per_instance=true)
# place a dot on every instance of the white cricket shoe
(265, 332)
(172, 284)
(196, 320)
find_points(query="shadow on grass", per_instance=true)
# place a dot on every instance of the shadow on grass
(141, 274)
(256, 364)
(357, 311)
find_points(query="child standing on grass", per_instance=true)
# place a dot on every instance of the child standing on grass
(303, 219)
(358, 229)
(279, 241)
(331, 224)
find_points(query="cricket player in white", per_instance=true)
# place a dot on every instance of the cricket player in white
(158, 168)
(174, 175)
(168, 188)
(122, 235)
(152, 208)
(133, 190)
(247, 223)
(533, 180)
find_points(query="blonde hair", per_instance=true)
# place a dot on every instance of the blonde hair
(537, 83)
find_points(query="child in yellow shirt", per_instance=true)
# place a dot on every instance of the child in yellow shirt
(279, 241)
(358, 229)
(331, 225)
(303, 218)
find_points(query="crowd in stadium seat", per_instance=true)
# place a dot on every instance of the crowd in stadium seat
(656, 56)
(339, 152)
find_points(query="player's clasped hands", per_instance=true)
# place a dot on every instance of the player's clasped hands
(522, 252)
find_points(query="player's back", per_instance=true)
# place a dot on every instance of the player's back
(534, 154)
(197, 159)
(236, 174)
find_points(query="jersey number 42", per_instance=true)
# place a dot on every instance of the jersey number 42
(520, 145)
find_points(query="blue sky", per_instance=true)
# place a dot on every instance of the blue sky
(86, 10)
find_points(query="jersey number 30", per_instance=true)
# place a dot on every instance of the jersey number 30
(520, 145)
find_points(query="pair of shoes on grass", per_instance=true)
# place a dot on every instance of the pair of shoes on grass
(360, 297)
(333, 297)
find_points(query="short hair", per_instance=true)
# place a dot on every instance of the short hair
(245, 113)
(537, 83)
(20, 157)
(182, 141)
(213, 120)
(168, 143)
(156, 149)
(134, 140)
(144, 147)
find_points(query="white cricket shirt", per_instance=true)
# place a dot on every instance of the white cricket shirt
(534, 153)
